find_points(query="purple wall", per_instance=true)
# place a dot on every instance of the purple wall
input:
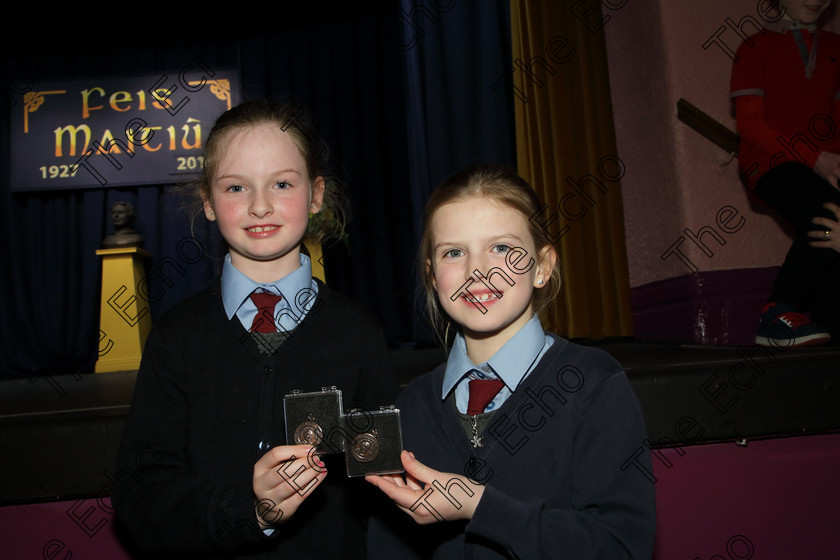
(773, 499)
(685, 209)
(60, 530)
(717, 307)
(779, 495)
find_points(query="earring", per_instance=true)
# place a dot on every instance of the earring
(540, 281)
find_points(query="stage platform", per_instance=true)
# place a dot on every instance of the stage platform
(59, 436)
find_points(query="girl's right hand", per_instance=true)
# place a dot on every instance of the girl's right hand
(283, 478)
(828, 167)
(457, 496)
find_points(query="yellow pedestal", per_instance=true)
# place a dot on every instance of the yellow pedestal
(123, 317)
(316, 253)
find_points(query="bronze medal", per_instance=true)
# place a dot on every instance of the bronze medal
(365, 447)
(308, 433)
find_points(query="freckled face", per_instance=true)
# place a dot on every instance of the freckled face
(261, 197)
(477, 233)
(805, 11)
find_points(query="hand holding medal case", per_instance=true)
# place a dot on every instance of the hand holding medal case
(375, 442)
(370, 440)
(314, 419)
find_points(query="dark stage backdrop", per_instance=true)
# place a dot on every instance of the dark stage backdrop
(404, 92)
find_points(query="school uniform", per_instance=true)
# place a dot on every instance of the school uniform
(561, 456)
(209, 403)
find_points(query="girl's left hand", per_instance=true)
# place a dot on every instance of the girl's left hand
(427, 495)
(827, 225)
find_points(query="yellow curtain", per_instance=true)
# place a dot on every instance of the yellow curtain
(566, 149)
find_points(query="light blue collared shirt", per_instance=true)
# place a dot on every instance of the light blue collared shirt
(511, 363)
(298, 289)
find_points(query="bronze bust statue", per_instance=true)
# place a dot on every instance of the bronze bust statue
(122, 218)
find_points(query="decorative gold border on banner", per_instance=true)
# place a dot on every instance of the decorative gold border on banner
(32, 100)
(219, 88)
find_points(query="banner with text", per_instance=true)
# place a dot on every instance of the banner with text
(117, 131)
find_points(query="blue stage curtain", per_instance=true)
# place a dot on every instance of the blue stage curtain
(349, 73)
(398, 117)
(50, 275)
(459, 108)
